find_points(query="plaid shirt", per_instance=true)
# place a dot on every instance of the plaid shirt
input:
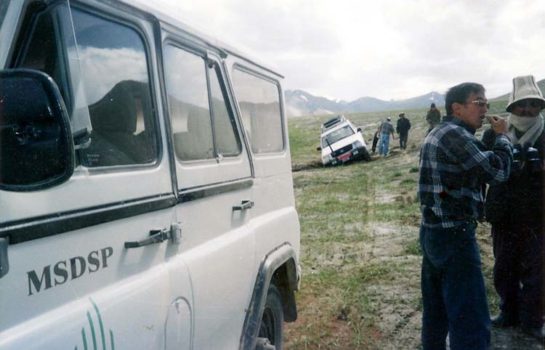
(454, 167)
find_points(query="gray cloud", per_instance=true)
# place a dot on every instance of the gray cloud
(389, 49)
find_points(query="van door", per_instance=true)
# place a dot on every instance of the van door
(214, 182)
(84, 270)
(260, 100)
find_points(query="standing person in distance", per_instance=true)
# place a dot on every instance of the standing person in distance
(402, 128)
(454, 166)
(376, 136)
(386, 129)
(433, 117)
(515, 210)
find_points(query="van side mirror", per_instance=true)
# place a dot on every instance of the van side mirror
(36, 147)
(359, 130)
(318, 148)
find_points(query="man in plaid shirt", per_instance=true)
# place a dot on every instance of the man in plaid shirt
(454, 167)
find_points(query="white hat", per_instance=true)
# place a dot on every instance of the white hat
(524, 87)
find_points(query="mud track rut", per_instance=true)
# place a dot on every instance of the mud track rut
(395, 322)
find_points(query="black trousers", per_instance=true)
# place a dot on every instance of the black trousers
(403, 136)
(518, 272)
(375, 141)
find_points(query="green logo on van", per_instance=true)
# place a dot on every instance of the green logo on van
(97, 336)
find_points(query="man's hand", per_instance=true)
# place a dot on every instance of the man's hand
(499, 125)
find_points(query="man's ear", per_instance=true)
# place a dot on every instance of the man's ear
(456, 108)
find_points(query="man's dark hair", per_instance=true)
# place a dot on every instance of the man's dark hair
(460, 93)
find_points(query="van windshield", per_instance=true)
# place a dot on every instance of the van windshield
(3, 10)
(9, 14)
(337, 135)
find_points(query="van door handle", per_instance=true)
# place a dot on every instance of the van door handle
(173, 234)
(244, 205)
(156, 236)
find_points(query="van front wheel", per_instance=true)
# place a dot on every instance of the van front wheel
(272, 320)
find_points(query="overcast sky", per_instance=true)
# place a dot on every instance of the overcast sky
(388, 49)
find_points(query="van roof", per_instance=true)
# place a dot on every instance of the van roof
(159, 13)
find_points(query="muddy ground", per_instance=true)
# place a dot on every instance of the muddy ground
(396, 320)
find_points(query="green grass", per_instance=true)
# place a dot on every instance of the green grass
(359, 241)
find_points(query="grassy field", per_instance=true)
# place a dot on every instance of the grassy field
(359, 243)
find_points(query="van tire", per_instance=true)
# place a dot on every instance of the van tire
(272, 319)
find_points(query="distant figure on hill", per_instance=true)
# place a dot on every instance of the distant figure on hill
(433, 117)
(403, 126)
(386, 129)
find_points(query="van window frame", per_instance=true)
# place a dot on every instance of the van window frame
(52, 223)
(175, 35)
(128, 20)
(23, 39)
(115, 16)
(207, 55)
(245, 69)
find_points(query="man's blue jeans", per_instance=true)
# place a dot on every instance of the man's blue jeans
(453, 291)
(384, 144)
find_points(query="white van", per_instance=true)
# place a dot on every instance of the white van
(146, 197)
(341, 142)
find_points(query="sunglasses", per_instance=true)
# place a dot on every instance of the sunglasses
(481, 103)
(528, 103)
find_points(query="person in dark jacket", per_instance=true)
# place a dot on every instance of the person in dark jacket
(433, 117)
(402, 128)
(515, 210)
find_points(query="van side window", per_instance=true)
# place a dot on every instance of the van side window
(116, 80)
(201, 128)
(259, 102)
(227, 141)
(116, 91)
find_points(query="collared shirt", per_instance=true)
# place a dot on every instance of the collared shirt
(387, 128)
(454, 167)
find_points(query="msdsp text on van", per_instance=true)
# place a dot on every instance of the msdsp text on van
(146, 196)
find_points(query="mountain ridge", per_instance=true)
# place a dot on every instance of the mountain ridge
(300, 103)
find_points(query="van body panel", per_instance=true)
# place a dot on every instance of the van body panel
(100, 274)
(81, 193)
(163, 247)
(220, 303)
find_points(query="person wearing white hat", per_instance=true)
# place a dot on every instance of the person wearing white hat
(515, 210)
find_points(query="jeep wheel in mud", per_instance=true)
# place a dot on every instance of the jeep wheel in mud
(366, 156)
(270, 330)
